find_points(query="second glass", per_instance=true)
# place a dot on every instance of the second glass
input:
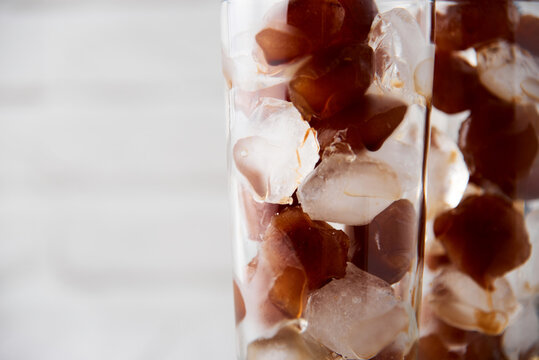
(327, 128)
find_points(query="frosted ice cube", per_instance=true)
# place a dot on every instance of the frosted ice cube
(508, 71)
(459, 301)
(256, 215)
(356, 316)
(399, 47)
(447, 174)
(522, 334)
(278, 151)
(287, 344)
(524, 279)
(353, 189)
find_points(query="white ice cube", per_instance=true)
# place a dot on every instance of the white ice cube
(399, 47)
(459, 301)
(525, 279)
(447, 174)
(508, 71)
(356, 316)
(352, 190)
(523, 333)
(278, 150)
(290, 344)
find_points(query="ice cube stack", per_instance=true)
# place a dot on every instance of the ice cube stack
(481, 293)
(327, 127)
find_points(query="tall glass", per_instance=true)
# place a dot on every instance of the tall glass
(327, 108)
(482, 279)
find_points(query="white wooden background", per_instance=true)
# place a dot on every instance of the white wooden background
(114, 222)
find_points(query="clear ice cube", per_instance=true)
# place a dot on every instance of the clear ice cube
(459, 301)
(280, 149)
(352, 189)
(290, 344)
(522, 334)
(506, 70)
(447, 174)
(399, 47)
(525, 279)
(356, 316)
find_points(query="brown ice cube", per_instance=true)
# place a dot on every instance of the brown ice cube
(320, 20)
(358, 19)
(281, 46)
(385, 247)
(527, 33)
(499, 141)
(328, 22)
(366, 124)
(289, 290)
(239, 303)
(484, 236)
(431, 347)
(310, 26)
(331, 80)
(303, 256)
(485, 347)
(471, 23)
(390, 354)
(455, 83)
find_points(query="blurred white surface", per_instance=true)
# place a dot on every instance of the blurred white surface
(114, 223)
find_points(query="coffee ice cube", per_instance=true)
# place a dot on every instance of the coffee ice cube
(319, 21)
(431, 347)
(455, 82)
(485, 347)
(280, 149)
(356, 316)
(527, 33)
(282, 46)
(352, 189)
(328, 22)
(386, 246)
(303, 255)
(459, 301)
(309, 26)
(365, 124)
(503, 68)
(447, 174)
(499, 142)
(331, 80)
(471, 23)
(484, 236)
(399, 46)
